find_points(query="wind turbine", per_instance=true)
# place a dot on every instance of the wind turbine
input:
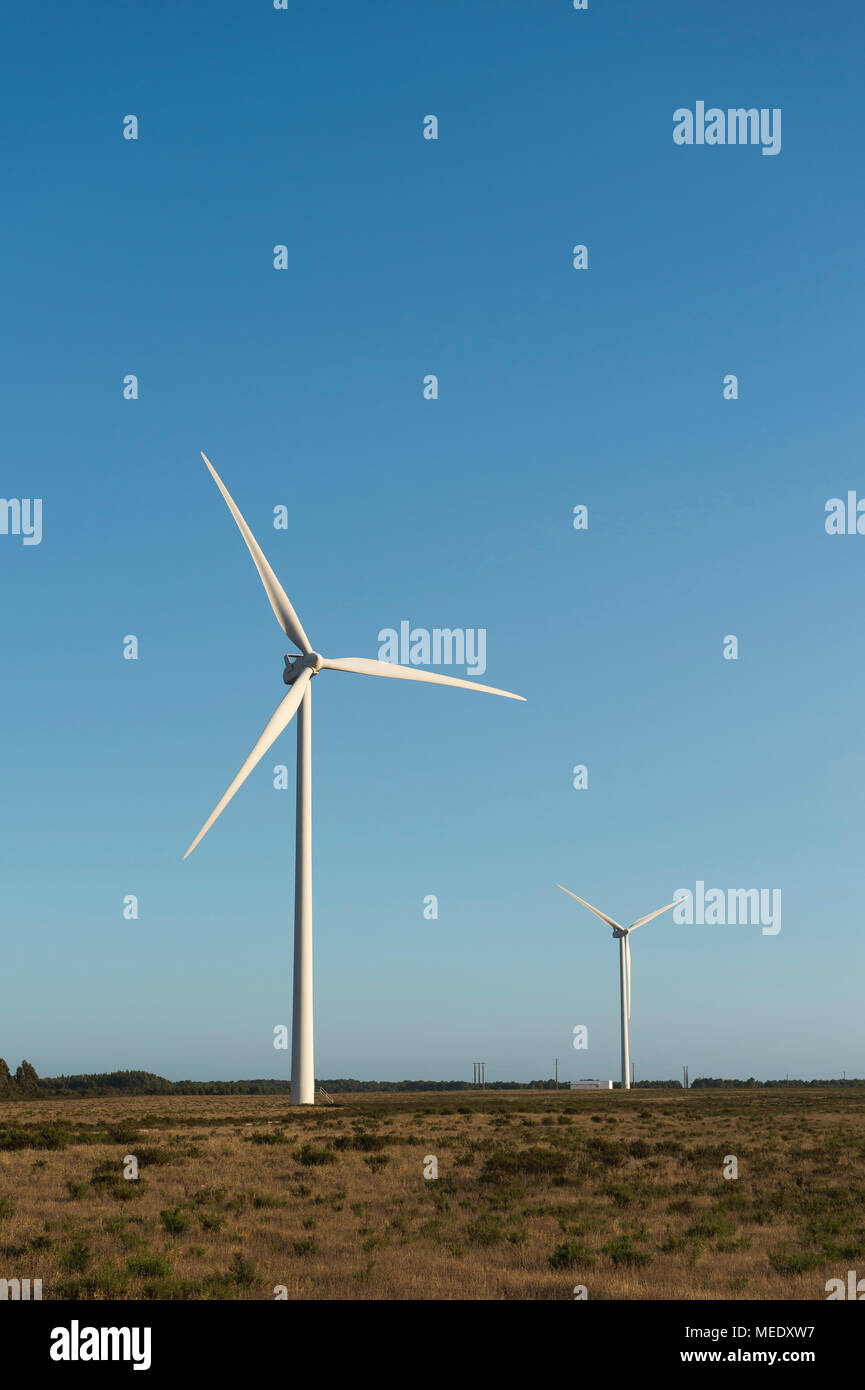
(623, 933)
(298, 674)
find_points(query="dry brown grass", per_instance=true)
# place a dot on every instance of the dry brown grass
(631, 1185)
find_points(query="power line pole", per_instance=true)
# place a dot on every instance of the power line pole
(557, 1073)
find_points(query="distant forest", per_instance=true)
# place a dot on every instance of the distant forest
(25, 1084)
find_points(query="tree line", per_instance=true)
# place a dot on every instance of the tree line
(25, 1083)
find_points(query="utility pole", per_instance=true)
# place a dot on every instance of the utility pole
(633, 1074)
(557, 1073)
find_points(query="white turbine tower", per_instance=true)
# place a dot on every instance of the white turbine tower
(298, 674)
(623, 933)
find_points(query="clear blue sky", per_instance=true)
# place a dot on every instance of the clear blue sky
(557, 387)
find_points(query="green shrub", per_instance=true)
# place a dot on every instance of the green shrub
(673, 1243)
(783, 1263)
(170, 1290)
(38, 1243)
(148, 1266)
(108, 1179)
(711, 1223)
(175, 1220)
(622, 1252)
(107, 1284)
(209, 1196)
(620, 1196)
(375, 1242)
(571, 1253)
(682, 1206)
(311, 1157)
(366, 1143)
(77, 1258)
(242, 1272)
(486, 1230)
(535, 1162)
(152, 1156)
(124, 1132)
(41, 1137)
(606, 1153)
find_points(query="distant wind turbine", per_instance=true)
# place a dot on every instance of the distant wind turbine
(622, 933)
(298, 674)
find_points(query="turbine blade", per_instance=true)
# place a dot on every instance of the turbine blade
(628, 971)
(363, 666)
(610, 921)
(649, 915)
(285, 614)
(278, 721)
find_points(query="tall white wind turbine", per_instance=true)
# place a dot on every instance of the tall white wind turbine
(298, 674)
(623, 933)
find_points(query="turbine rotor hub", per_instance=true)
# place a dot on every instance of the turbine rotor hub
(294, 664)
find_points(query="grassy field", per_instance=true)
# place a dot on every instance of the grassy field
(537, 1192)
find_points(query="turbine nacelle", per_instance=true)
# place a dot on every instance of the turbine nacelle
(294, 664)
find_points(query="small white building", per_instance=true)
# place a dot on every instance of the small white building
(591, 1085)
